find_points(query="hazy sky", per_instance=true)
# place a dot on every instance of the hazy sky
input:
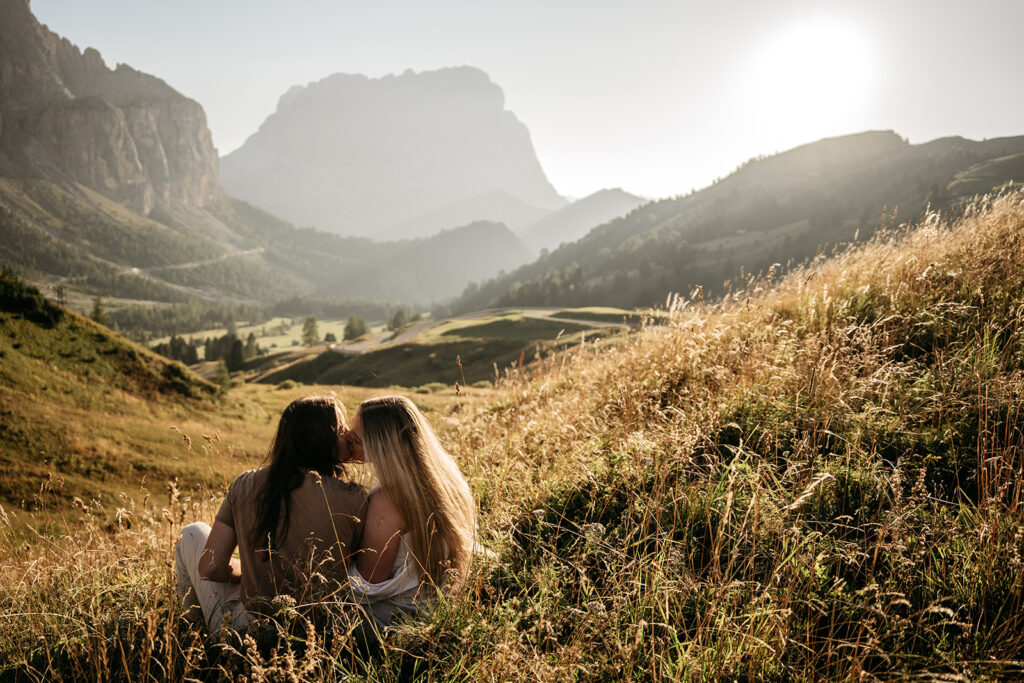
(656, 97)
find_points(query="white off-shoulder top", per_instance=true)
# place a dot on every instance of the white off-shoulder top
(400, 592)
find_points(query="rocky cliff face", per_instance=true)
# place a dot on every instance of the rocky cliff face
(357, 155)
(65, 116)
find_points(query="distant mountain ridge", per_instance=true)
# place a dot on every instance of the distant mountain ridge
(499, 204)
(109, 185)
(572, 222)
(378, 156)
(422, 271)
(774, 210)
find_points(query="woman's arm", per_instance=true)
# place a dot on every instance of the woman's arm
(381, 538)
(216, 563)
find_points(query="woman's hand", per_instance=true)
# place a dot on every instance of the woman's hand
(216, 563)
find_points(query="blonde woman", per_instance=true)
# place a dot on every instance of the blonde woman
(418, 535)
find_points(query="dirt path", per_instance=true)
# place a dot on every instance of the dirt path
(193, 264)
(576, 321)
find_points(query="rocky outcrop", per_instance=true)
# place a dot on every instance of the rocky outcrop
(65, 116)
(357, 155)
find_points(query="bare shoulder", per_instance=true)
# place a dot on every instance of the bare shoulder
(383, 511)
(380, 544)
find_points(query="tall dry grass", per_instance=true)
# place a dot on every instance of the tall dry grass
(818, 477)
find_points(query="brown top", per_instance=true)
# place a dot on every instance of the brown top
(324, 528)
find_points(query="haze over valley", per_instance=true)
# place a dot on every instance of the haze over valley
(419, 190)
(716, 309)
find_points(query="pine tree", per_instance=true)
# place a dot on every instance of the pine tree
(98, 313)
(310, 332)
(355, 327)
(251, 349)
(398, 320)
(177, 348)
(236, 357)
(221, 376)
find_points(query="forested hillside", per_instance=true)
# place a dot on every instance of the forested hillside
(572, 222)
(776, 210)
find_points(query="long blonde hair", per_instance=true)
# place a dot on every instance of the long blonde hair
(424, 483)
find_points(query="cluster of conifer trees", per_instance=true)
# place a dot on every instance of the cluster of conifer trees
(142, 323)
(229, 348)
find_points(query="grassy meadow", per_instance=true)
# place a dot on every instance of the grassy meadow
(819, 477)
(487, 346)
(507, 325)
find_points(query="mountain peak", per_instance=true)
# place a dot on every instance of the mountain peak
(575, 220)
(359, 155)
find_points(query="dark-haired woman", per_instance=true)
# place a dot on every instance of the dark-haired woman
(295, 521)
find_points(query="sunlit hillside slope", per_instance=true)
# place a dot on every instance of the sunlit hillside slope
(780, 209)
(815, 479)
(85, 406)
(818, 478)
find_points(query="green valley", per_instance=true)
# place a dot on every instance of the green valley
(472, 349)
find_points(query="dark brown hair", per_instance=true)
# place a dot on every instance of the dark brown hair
(307, 439)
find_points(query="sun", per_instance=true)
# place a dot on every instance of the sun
(811, 79)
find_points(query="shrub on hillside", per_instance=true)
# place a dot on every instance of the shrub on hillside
(179, 378)
(22, 299)
(355, 327)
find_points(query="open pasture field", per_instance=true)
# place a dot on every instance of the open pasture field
(512, 326)
(487, 345)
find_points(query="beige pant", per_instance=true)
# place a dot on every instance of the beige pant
(220, 602)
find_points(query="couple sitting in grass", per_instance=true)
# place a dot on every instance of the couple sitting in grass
(303, 529)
